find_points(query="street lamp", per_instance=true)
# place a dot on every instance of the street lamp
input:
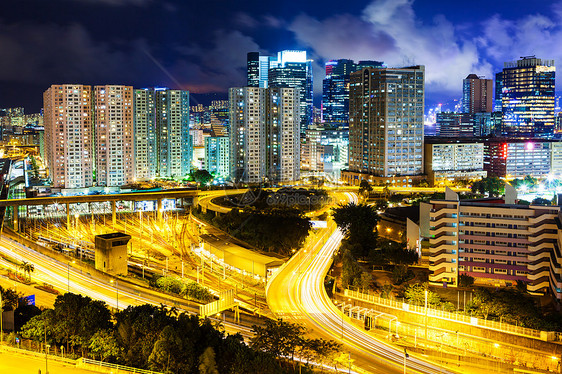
(115, 283)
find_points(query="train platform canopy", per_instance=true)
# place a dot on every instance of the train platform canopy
(245, 259)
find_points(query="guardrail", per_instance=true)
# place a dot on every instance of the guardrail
(87, 361)
(462, 318)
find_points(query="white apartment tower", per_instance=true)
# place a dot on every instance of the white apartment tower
(247, 134)
(69, 135)
(264, 136)
(113, 123)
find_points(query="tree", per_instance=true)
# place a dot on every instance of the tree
(169, 284)
(27, 268)
(541, 201)
(365, 187)
(9, 298)
(278, 338)
(491, 185)
(207, 363)
(465, 280)
(415, 294)
(203, 177)
(358, 222)
(104, 344)
(166, 351)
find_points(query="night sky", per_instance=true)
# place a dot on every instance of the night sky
(202, 45)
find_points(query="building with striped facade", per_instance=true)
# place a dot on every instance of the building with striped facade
(498, 244)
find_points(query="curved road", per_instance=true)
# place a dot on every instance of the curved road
(296, 292)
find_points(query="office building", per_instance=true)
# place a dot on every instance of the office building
(497, 242)
(335, 90)
(264, 136)
(517, 158)
(217, 156)
(487, 124)
(455, 125)
(386, 121)
(69, 135)
(477, 94)
(163, 144)
(449, 160)
(528, 97)
(498, 92)
(113, 124)
(288, 69)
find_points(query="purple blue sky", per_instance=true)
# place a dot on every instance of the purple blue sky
(202, 45)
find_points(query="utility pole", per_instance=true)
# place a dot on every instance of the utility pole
(425, 314)
(1, 313)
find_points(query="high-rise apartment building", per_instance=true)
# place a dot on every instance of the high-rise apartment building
(335, 90)
(113, 124)
(217, 156)
(163, 145)
(288, 69)
(69, 135)
(264, 140)
(477, 94)
(386, 121)
(528, 97)
(145, 135)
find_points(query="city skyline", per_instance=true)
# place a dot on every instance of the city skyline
(183, 47)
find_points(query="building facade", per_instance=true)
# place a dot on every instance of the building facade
(217, 156)
(386, 121)
(113, 124)
(163, 144)
(455, 125)
(517, 158)
(69, 147)
(477, 94)
(448, 160)
(289, 69)
(264, 136)
(498, 244)
(335, 90)
(528, 97)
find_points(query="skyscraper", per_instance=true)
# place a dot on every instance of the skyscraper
(335, 90)
(288, 69)
(258, 68)
(386, 121)
(68, 135)
(163, 146)
(264, 142)
(476, 94)
(528, 97)
(113, 124)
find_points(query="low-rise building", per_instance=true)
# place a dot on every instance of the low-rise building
(495, 242)
(449, 160)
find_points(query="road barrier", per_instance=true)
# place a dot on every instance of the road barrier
(452, 316)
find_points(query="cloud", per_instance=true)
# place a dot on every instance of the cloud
(390, 31)
(47, 54)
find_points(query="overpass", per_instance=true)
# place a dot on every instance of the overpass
(112, 198)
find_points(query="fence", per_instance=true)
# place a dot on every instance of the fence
(452, 316)
(89, 362)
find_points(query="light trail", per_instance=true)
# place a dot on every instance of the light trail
(300, 295)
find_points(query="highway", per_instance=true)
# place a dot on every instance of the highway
(296, 293)
(115, 294)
